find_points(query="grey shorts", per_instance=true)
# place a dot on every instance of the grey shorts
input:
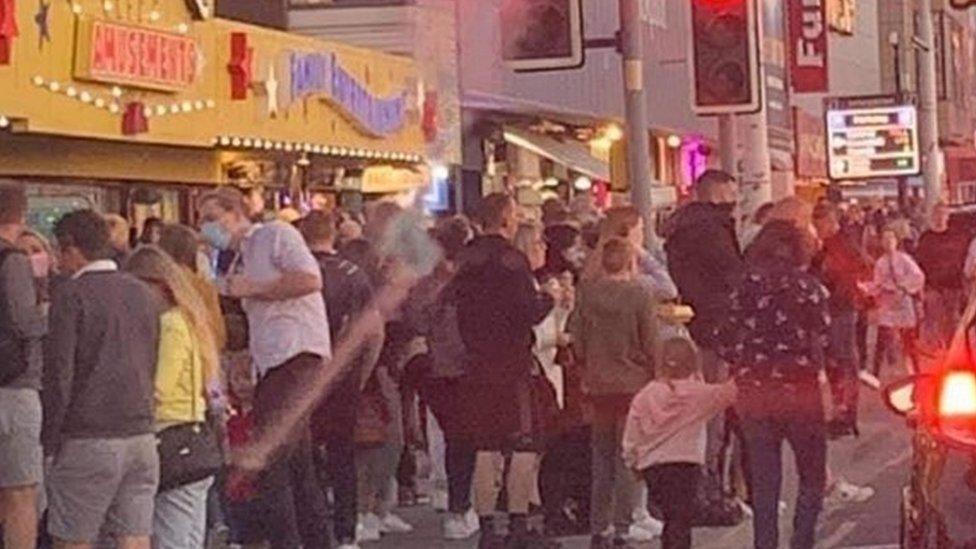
(21, 457)
(103, 486)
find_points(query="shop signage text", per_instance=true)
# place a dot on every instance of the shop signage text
(864, 143)
(808, 46)
(318, 74)
(135, 56)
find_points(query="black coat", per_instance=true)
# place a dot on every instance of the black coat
(705, 263)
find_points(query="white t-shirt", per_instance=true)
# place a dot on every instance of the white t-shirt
(281, 330)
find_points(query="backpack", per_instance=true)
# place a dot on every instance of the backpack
(13, 348)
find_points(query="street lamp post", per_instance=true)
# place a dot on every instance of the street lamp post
(895, 41)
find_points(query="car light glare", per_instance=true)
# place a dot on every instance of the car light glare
(957, 396)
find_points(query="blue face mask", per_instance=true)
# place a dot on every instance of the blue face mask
(215, 235)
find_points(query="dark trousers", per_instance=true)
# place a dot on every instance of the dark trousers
(459, 458)
(672, 488)
(334, 428)
(293, 508)
(794, 414)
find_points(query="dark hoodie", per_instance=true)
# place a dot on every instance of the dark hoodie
(614, 329)
(705, 263)
(498, 303)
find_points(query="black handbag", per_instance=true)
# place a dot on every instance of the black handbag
(188, 452)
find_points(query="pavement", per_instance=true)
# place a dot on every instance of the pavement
(878, 458)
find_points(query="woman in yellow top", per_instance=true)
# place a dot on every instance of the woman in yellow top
(187, 364)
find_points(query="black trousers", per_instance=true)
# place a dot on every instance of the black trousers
(672, 487)
(294, 512)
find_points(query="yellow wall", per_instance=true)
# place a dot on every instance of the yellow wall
(39, 111)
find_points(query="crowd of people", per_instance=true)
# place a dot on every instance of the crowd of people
(286, 383)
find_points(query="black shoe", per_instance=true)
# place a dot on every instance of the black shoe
(607, 542)
(530, 540)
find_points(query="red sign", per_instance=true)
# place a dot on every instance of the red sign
(136, 56)
(8, 30)
(808, 46)
(240, 66)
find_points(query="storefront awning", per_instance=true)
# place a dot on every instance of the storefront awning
(572, 154)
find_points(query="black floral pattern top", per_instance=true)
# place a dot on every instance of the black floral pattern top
(777, 327)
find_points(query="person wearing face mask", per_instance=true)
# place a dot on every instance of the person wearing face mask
(706, 264)
(41, 256)
(21, 328)
(279, 284)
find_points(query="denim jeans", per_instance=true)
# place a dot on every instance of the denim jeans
(794, 413)
(180, 517)
(293, 507)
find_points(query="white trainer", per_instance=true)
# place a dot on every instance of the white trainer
(392, 524)
(637, 534)
(846, 492)
(457, 527)
(644, 521)
(368, 528)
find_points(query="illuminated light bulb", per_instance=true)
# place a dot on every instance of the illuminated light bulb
(613, 132)
(99, 103)
(279, 146)
(160, 110)
(174, 108)
(54, 86)
(38, 81)
(77, 9)
(116, 92)
(85, 97)
(4, 122)
(198, 105)
(186, 106)
(71, 92)
(113, 108)
(211, 103)
(247, 142)
(268, 145)
(289, 147)
(236, 141)
(107, 5)
(224, 140)
(182, 28)
(674, 141)
(154, 16)
(147, 111)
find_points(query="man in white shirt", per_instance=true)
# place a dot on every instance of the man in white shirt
(280, 286)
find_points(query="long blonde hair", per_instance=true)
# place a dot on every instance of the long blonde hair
(151, 264)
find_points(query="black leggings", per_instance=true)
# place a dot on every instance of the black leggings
(672, 487)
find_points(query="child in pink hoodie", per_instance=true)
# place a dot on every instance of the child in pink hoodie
(664, 436)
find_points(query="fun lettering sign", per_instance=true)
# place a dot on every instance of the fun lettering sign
(320, 75)
(114, 53)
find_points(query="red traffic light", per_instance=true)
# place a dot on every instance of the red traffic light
(725, 56)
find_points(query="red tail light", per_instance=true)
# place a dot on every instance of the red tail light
(957, 395)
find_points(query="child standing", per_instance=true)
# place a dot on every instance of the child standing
(664, 436)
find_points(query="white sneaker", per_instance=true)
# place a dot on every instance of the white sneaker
(438, 500)
(474, 523)
(349, 546)
(846, 492)
(869, 379)
(637, 534)
(458, 527)
(392, 524)
(644, 521)
(368, 528)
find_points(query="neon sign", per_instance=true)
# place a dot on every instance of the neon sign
(319, 74)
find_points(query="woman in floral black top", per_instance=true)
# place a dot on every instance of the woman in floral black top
(775, 340)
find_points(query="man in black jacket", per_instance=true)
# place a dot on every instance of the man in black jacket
(498, 304)
(706, 265)
(99, 367)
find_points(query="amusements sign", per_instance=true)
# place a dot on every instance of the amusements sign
(808, 46)
(321, 75)
(872, 142)
(113, 53)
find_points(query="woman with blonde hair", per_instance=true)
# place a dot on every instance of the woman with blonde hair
(187, 363)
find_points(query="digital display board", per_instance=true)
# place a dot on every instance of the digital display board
(865, 143)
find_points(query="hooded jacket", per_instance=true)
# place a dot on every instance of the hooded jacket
(614, 331)
(705, 262)
(666, 423)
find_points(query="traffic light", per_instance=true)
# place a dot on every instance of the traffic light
(540, 35)
(725, 56)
